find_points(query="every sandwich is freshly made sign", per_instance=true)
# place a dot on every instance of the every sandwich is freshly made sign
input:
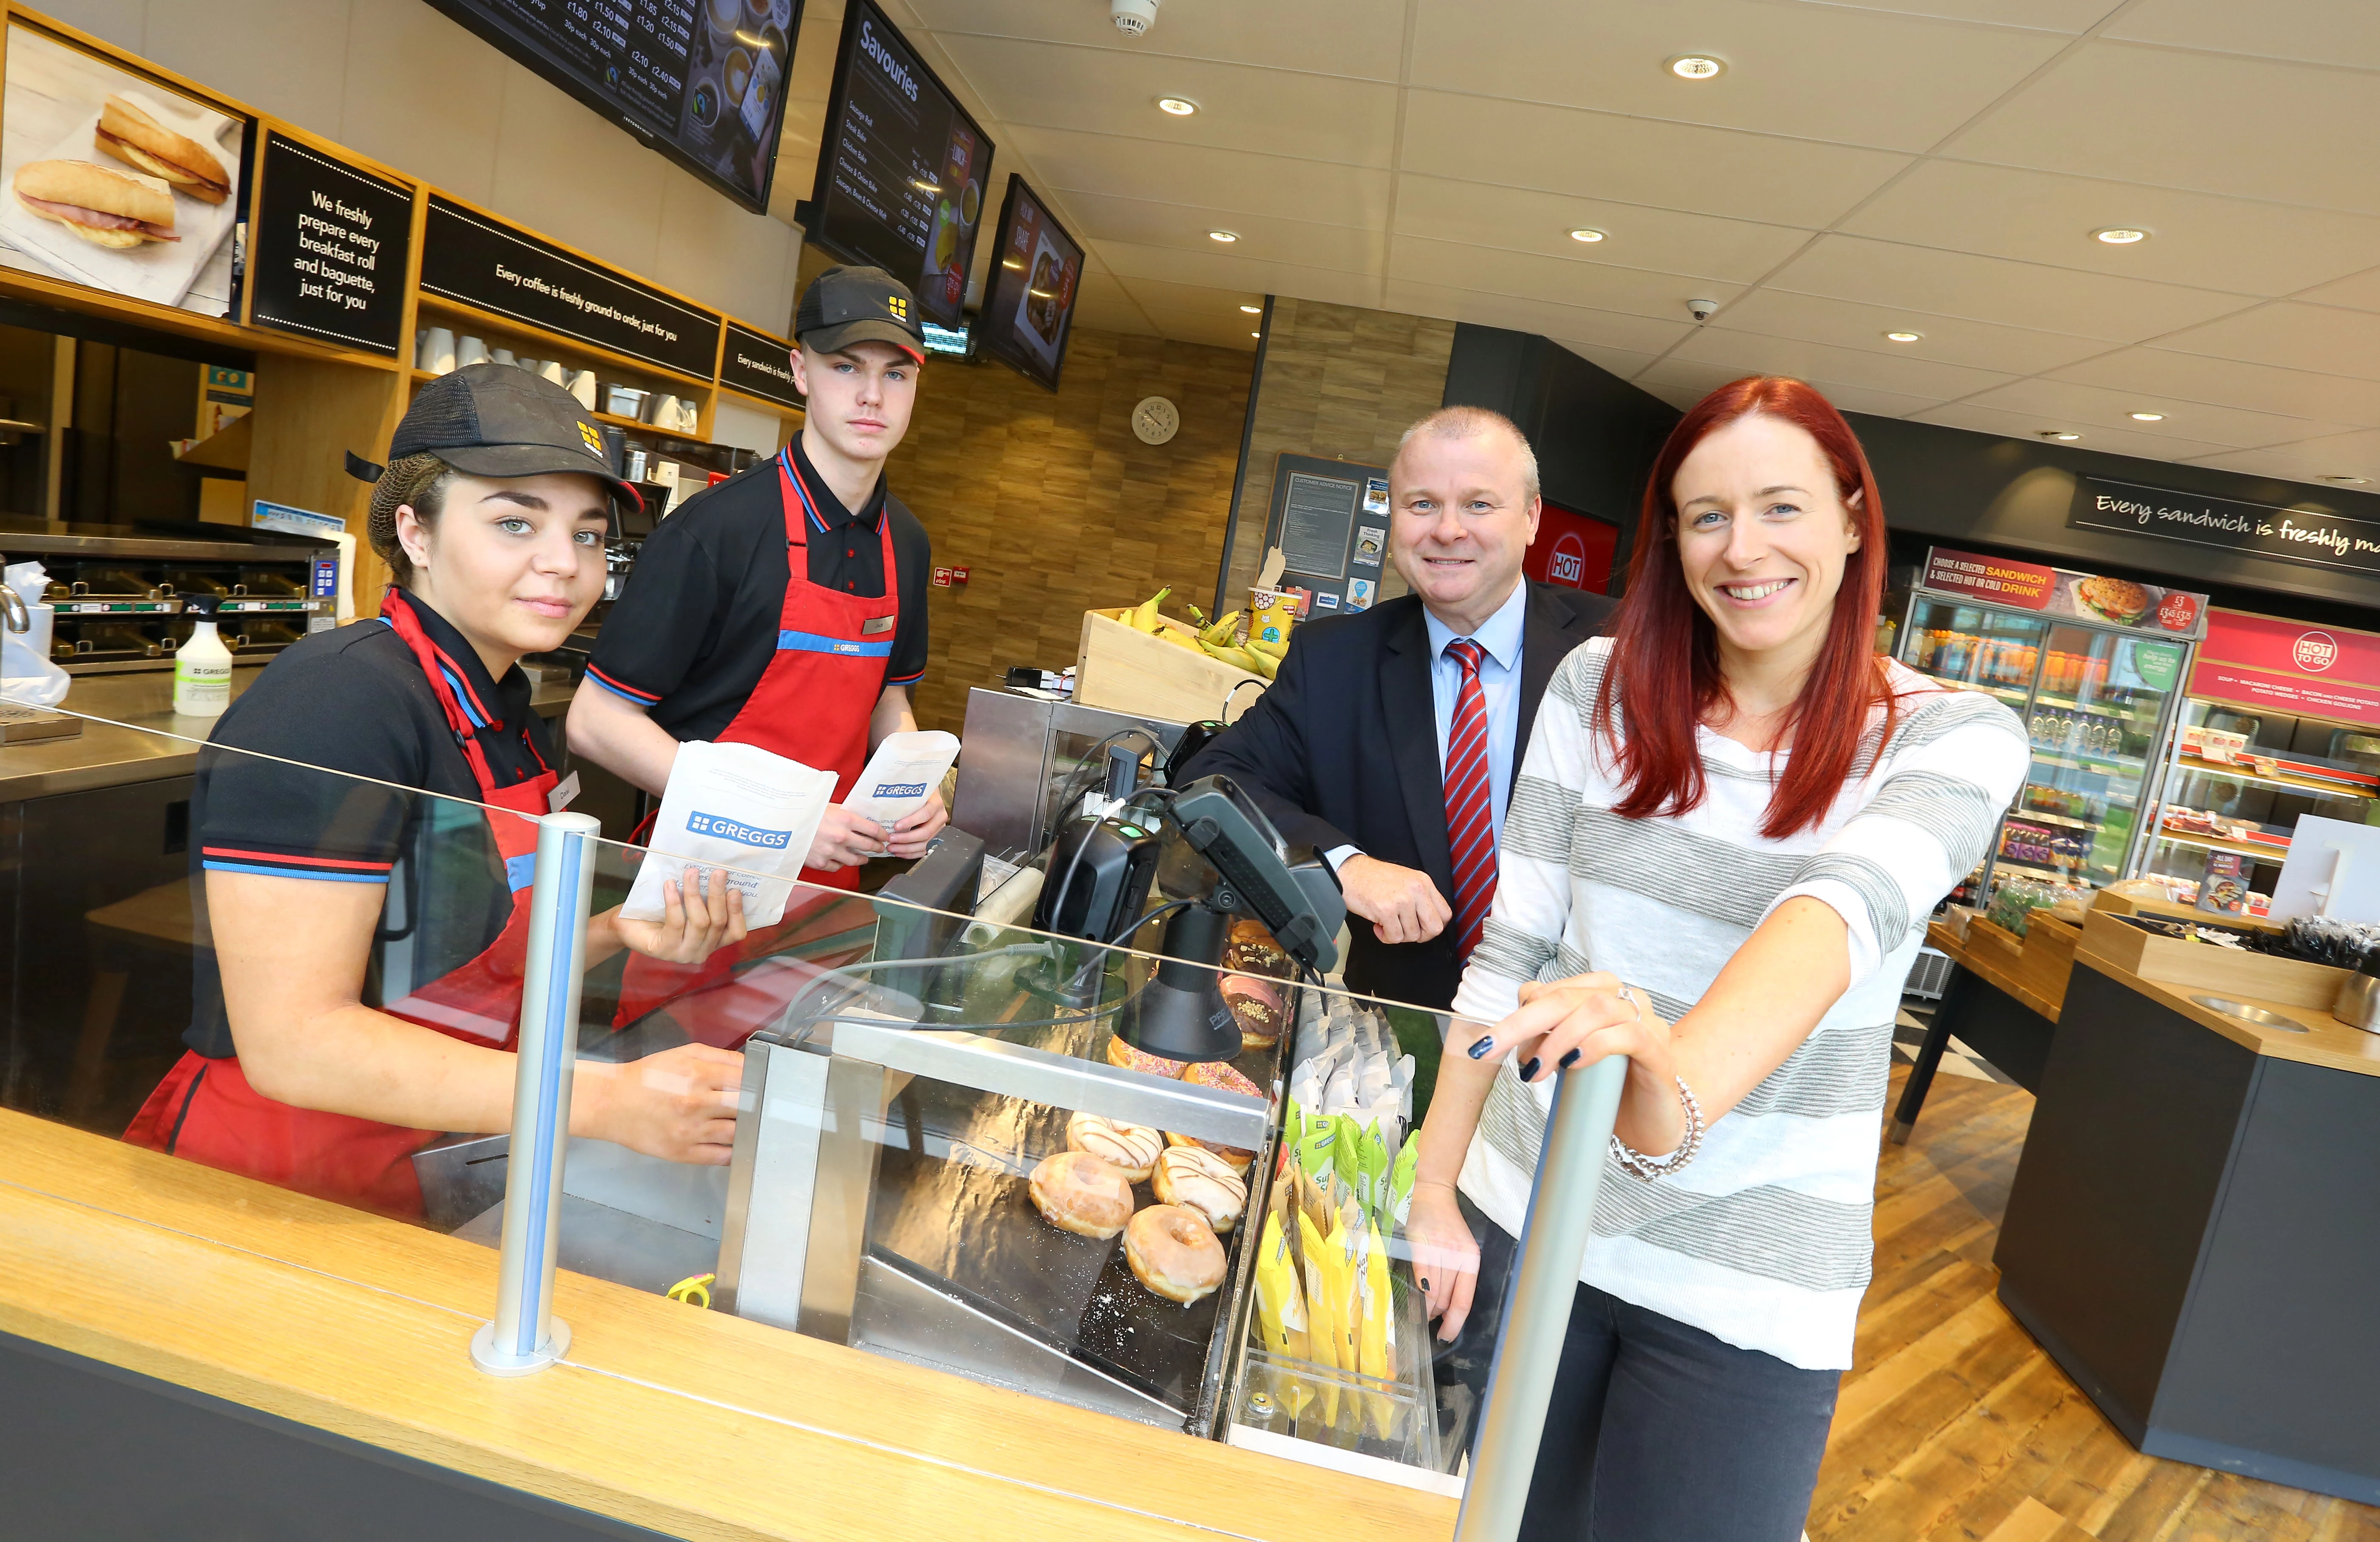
(2314, 537)
(759, 364)
(328, 257)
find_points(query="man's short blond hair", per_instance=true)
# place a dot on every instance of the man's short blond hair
(1469, 422)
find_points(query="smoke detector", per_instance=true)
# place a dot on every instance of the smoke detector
(1133, 16)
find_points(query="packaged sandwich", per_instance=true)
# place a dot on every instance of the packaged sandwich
(109, 209)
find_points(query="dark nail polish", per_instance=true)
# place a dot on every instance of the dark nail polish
(1483, 1046)
(1568, 1060)
(1425, 1284)
(1529, 1072)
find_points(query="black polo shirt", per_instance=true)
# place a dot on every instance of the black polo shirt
(698, 624)
(355, 703)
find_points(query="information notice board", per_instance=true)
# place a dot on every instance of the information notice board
(328, 252)
(1331, 520)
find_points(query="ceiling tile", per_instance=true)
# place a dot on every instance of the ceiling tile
(1604, 328)
(1194, 297)
(1681, 382)
(2065, 403)
(1099, 217)
(2230, 382)
(1330, 37)
(1220, 269)
(2345, 455)
(2215, 123)
(2337, 33)
(2022, 425)
(1095, 90)
(1667, 165)
(1522, 220)
(1747, 353)
(1596, 285)
(1814, 72)
(2292, 336)
(2359, 292)
(1112, 313)
(2055, 16)
(1949, 339)
(1202, 174)
(1996, 289)
(2201, 239)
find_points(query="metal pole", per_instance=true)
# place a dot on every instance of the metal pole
(525, 1336)
(1538, 1301)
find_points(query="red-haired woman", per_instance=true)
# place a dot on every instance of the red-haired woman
(1731, 824)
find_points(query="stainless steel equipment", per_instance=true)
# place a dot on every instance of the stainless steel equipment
(1022, 753)
(2358, 1005)
(118, 588)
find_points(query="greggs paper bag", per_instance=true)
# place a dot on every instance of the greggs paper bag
(737, 807)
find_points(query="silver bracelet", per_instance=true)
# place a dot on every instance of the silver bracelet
(1649, 1168)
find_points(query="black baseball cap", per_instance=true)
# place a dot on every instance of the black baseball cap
(843, 306)
(500, 420)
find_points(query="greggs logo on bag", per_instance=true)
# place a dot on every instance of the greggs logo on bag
(743, 835)
(900, 789)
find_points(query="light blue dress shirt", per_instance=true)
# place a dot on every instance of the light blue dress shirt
(1499, 681)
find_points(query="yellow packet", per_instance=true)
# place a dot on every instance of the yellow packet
(1322, 1309)
(1280, 1310)
(1372, 1340)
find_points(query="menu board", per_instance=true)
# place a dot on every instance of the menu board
(1035, 272)
(2033, 586)
(470, 257)
(116, 181)
(701, 79)
(901, 168)
(759, 364)
(327, 250)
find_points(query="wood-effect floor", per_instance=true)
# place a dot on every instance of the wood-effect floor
(1953, 1424)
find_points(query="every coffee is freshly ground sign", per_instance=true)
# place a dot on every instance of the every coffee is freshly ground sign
(2314, 537)
(328, 257)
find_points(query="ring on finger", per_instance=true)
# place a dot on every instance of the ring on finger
(1628, 994)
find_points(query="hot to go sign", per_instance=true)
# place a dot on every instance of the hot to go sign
(2287, 666)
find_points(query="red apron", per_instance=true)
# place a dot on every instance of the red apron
(204, 1109)
(814, 704)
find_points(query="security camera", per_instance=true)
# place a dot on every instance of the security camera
(1701, 311)
(1134, 16)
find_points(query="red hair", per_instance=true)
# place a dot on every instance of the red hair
(1664, 678)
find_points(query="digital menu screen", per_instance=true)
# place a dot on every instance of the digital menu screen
(701, 80)
(901, 168)
(1030, 303)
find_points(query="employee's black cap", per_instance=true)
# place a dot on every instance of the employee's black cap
(499, 421)
(843, 306)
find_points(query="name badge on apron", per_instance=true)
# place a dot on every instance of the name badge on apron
(876, 625)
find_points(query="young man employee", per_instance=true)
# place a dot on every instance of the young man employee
(786, 606)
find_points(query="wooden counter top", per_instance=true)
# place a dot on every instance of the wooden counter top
(2326, 1042)
(692, 1423)
(1990, 966)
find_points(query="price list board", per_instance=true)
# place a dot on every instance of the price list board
(702, 77)
(902, 169)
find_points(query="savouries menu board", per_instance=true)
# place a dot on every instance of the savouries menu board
(901, 168)
(703, 80)
(1029, 304)
(117, 181)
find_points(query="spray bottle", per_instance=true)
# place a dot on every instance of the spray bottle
(202, 665)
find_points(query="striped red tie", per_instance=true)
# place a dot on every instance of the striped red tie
(1470, 830)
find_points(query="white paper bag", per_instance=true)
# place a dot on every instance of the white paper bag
(904, 768)
(737, 807)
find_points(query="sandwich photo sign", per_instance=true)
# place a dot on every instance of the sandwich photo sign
(113, 181)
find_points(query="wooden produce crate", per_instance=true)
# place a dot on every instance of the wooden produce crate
(1995, 944)
(2205, 967)
(2046, 959)
(1125, 671)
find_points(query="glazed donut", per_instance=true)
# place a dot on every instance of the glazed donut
(1257, 956)
(1131, 1150)
(1248, 928)
(1219, 1074)
(1258, 1007)
(1076, 1192)
(1197, 1179)
(1173, 1252)
(1125, 1056)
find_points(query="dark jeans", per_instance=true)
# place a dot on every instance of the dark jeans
(1658, 1432)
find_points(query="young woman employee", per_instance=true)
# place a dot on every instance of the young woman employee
(369, 928)
(1739, 817)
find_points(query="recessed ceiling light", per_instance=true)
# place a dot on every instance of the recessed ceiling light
(1255, 335)
(1226, 236)
(1180, 106)
(2062, 435)
(1588, 234)
(2121, 235)
(2148, 417)
(1902, 336)
(1253, 310)
(1697, 66)
(2345, 480)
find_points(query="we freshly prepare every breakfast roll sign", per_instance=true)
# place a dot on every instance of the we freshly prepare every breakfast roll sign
(472, 259)
(328, 250)
(2314, 537)
(2063, 591)
(116, 181)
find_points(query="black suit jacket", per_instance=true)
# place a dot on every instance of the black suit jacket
(1342, 750)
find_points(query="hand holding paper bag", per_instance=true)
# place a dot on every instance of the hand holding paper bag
(738, 806)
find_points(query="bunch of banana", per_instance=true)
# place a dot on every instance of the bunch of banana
(1143, 616)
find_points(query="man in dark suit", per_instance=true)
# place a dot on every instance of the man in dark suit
(1390, 740)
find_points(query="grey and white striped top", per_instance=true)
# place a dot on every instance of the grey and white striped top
(1765, 1239)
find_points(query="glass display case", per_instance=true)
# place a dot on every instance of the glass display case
(2237, 780)
(2098, 703)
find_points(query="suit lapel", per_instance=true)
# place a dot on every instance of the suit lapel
(1545, 642)
(1412, 716)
